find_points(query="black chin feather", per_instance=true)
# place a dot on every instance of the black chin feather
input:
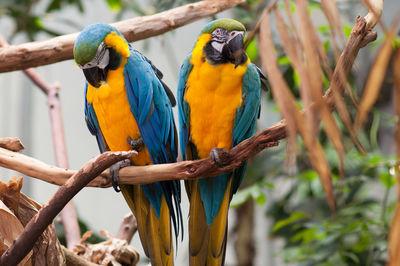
(214, 57)
(115, 59)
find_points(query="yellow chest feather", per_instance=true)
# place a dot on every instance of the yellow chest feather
(113, 113)
(213, 94)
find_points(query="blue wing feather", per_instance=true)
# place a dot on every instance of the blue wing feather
(153, 112)
(183, 107)
(93, 124)
(246, 116)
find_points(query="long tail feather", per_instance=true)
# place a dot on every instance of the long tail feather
(154, 232)
(207, 243)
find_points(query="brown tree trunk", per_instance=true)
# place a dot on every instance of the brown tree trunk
(244, 229)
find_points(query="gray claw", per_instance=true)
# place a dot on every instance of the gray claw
(114, 170)
(136, 144)
(219, 156)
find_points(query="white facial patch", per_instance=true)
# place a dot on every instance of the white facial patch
(217, 46)
(233, 34)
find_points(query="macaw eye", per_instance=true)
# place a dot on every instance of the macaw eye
(87, 65)
(219, 35)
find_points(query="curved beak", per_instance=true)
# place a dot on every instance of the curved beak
(236, 50)
(95, 76)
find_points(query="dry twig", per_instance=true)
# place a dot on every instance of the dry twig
(113, 251)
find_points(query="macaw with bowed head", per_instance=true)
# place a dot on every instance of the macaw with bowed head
(127, 106)
(219, 103)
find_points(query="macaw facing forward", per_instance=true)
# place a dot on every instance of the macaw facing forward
(219, 102)
(128, 106)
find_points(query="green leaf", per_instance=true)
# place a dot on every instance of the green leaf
(308, 235)
(114, 4)
(387, 179)
(252, 50)
(296, 78)
(351, 256)
(283, 60)
(253, 191)
(295, 216)
(347, 30)
(309, 175)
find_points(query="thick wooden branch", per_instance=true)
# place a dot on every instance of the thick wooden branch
(63, 195)
(33, 54)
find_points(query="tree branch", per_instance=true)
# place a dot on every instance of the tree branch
(13, 144)
(33, 54)
(64, 194)
(127, 228)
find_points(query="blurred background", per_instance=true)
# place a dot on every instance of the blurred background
(280, 217)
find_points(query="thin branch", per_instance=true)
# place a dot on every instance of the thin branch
(13, 144)
(63, 195)
(127, 228)
(33, 54)
(375, 8)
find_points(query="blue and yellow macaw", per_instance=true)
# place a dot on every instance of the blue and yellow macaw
(219, 103)
(127, 106)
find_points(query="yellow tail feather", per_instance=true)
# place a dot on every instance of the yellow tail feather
(207, 243)
(155, 233)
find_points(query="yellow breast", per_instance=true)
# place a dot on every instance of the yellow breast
(214, 93)
(113, 113)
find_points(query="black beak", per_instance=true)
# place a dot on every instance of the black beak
(236, 50)
(95, 76)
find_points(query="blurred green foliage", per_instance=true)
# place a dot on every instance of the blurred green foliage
(357, 233)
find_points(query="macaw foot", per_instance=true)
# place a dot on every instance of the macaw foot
(136, 144)
(219, 156)
(114, 169)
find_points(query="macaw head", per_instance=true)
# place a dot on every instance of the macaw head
(98, 49)
(226, 43)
